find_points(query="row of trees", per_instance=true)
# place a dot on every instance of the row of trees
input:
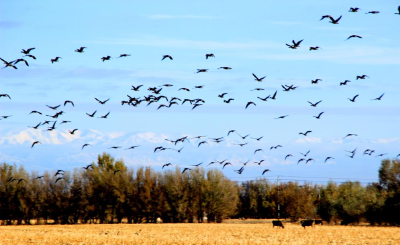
(109, 192)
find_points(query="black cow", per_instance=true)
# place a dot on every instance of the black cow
(318, 222)
(307, 222)
(277, 223)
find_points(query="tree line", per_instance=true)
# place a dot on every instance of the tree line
(109, 192)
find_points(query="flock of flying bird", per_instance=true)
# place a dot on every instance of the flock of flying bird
(155, 96)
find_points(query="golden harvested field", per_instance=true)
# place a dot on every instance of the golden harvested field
(196, 234)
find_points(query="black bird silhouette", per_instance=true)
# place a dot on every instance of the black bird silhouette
(240, 170)
(53, 107)
(85, 145)
(315, 81)
(20, 180)
(353, 99)
(309, 160)
(166, 165)
(105, 116)
(258, 79)
(114, 147)
(68, 101)
(398, 11)
(257, 150)
(325, 16)
(225, 68)
(226, 164)
(34, 143)
(5, 95)
(60, 171)
(124, 55)
(258, 139)
(274, 96)
(349, 135)
(55, 59)
(259, 163)
(8, 64)
(381, 155)
(102, 102)
(345, 82)
(88, 166)
(305, 134)
(196, 105)
(203, 142)
(31, 56)
(132, 147)
(282, 117)
(334, 21)
(80, 50)
(314, 104)
(105, 58)
(362, 77)
(201, 70)
(21, 60)
(136, 88)
(91, 115)
(222, 95)
(288, 155)
(250, 103)
(326, 159)
(5, 117)
(242, 144)
(196, 165)
(295, 44)
(210, 55)
(354, 36)
(167, 56)
(354, 9)
(275, 147)
(27, 51)
(380, 97)
(39, 177)
(73, 131)
(231, 131)
(265, 170)
(228, 100)
(314, 48)
(305, 155)
(185, 169)
(373, 12)
(300, 160)
(60, 178)
(264, 99)
(319, 115)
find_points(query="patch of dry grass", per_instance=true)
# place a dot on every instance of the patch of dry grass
(196, 234)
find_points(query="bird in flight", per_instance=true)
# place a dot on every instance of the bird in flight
(315, 81)
(354, 36)
(166, 165)
(91, 115)
(136, 88)
(105, 116)
(265, 170)
(225, 68)
(326, 159)
(345, 82)
(334, 21)
(27, 51)
(295, 44)
(55, 59)
(80, 50)
(305, 155)
(132, 147)
(288, 155)
(282, 117)
(314, 48)
(201, 70)
(34, 143)
(362, 77)
(222, 95)
(68, 101)
(228, 100)
(380, 97)
(102, 102)
(258, 79)
(73, 131)
(210, 55)
(319, 115)
(353, 99)
(354, 10)
(8, 64)
(250, 103)
(166, 56)
(5, 95)
(305, 134)
(124, 55)
(85, 145)
(373, 12)
(185, 169)
(257, 150)
(349, 135)
(398, 11)
(314, 104)
(53, 107)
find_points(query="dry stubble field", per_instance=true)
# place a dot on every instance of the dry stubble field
(196, 234)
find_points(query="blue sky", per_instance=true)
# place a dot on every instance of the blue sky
(248, 36)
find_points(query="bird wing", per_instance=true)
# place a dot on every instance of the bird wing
(255, 76)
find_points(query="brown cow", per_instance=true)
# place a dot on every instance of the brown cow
(307, 222)
(277, 223)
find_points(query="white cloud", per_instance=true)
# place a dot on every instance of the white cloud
(308, 140)
(386, 141)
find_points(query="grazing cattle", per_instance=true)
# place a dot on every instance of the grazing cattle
(307, 222)
(277, 223)
(318, 222)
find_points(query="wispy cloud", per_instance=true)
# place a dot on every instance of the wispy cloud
(167, 16)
